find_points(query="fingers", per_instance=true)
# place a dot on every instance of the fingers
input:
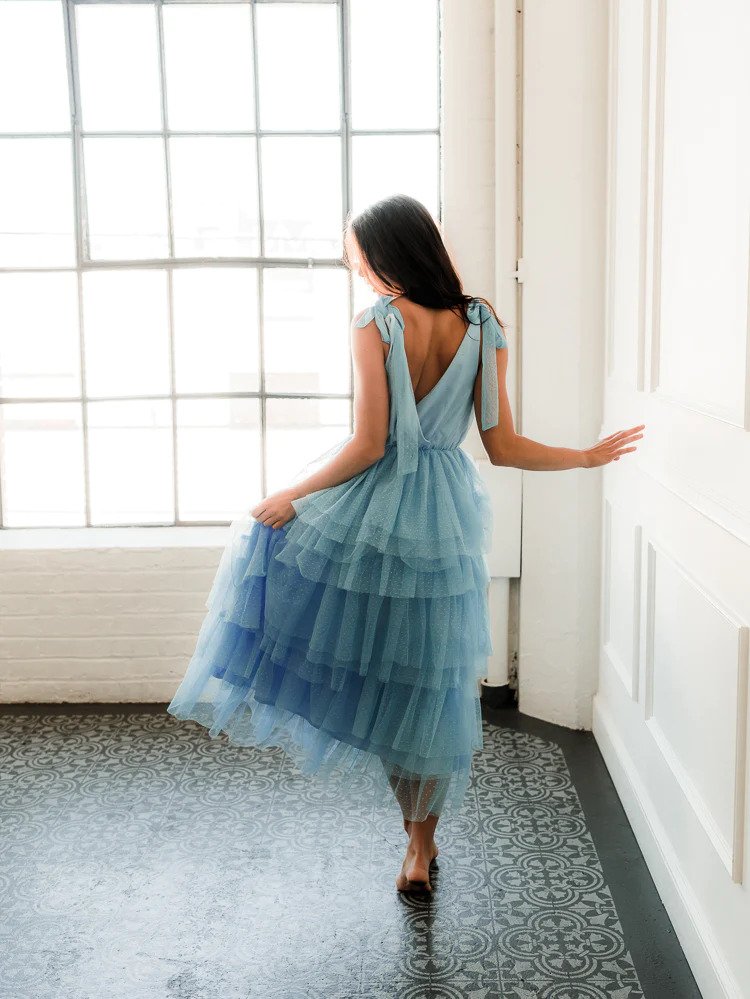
(621, 434)
(602, 453)
(263, 513)
(610, 447)
(614, 455)
(260, 514)
(273, 520)
(625, 440)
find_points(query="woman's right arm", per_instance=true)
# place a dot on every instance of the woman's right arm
(505, 447)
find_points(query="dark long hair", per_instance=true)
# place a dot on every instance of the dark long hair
(403, 247)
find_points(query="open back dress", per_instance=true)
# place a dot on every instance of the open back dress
(355, 635)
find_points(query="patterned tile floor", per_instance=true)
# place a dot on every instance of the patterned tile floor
(140, 859)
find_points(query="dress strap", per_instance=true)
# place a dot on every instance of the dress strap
(492, 336)
(390, 323)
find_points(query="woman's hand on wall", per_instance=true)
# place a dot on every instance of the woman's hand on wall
(611, 448)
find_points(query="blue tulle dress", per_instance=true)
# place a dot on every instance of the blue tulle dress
(355, 635)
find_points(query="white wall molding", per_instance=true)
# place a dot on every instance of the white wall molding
(693, 927)
(616, 23)
(654, 184)
(728, 848)
(676, 737)
(673, 196)
(626, 667)
(610, 239)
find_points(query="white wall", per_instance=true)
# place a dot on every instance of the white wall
(564, 174)
(671, 709)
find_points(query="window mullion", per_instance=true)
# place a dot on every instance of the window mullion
(81, 227)
(259, 273)
(170, 254)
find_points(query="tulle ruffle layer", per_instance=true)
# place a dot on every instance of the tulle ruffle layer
(430, 508)
(323, 633)
(355, 636)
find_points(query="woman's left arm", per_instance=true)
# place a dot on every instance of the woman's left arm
(367, 443)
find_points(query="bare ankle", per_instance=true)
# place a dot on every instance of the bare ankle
(421, 844)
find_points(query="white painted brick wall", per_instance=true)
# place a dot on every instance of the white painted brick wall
(103, 623)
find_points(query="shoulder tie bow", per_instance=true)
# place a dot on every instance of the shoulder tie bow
(492, 336)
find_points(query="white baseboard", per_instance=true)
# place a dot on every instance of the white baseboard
(99, 691)
(691, 925)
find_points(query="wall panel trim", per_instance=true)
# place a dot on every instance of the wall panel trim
(729, 851)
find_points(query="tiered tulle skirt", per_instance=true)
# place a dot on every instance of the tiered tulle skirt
(355, 635)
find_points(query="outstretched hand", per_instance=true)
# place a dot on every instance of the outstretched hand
(275, 510)
(611, 448)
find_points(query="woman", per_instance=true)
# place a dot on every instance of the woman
(348, 620)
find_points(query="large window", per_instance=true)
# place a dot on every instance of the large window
(174, 179)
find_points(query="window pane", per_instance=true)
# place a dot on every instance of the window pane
(130, 462)
(42, 448)
(209, 67)
(118, 65)
(218, 457)
(33, 76)
(214, 197)
(362, 294)
(125, 332)
(302, 196)
(394, 72)
(392, 164)
(216, 329)
(299, 66)
(39, 342)
(299, 431)
(127, 198)
(36, 202)
(306, 330)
